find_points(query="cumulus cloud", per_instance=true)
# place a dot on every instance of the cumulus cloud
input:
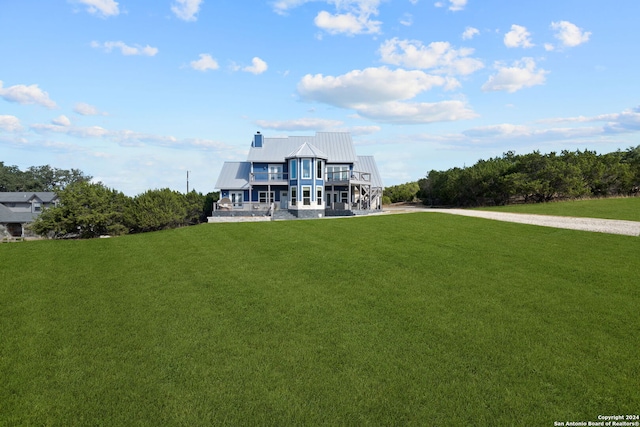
(206, 62)
(300, 124)
(470, 33)
(520, 75)
(125, 49)
(439, 56)
(347, 23)
(351, 17)
(10, 123)
(87, 110)
(258, 66)
(61, 121)
(368, 86)
(103, 8)
(26, 95)
(186, 9)
(518, 37)
(407, 20)
(570, 35)
(376, 93)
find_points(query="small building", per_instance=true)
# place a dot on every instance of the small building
(20, 208)
(300, 177)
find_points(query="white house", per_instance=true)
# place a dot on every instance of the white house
(300, 177)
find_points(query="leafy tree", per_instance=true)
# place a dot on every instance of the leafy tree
(86, 210)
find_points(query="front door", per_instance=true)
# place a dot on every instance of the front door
(284, 199)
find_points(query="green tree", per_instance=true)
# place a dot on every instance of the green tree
(85, 210)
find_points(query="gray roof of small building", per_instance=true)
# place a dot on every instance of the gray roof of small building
(368, 164)
(234, 176)
(9, 216)
(336, 146)
(25, 196)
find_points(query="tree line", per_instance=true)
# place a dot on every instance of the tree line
(38, 178)
(87, 209)
(528, 178)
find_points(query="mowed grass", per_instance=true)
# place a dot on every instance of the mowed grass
(626, 208)
(416, 319)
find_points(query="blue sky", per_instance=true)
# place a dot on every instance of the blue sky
(136, 93)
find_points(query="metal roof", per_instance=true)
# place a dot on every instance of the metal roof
(27, 196)
(307, 150)
(368, 164)
(337, 146)
(234, 176)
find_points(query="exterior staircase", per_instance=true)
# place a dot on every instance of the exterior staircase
(282, 214)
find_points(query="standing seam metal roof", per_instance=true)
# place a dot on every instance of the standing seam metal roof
(337, 146)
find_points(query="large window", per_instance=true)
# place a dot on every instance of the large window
(306, 168)
(319, 169)
(306, 195)
(319, 195)
(262, 197)
(292, 168)
(338, 173)
(294, 196)
(275, 172)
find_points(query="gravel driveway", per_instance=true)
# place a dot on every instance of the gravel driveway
(611, 226)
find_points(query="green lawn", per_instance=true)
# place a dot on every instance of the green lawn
(416, 319)
(612, 208)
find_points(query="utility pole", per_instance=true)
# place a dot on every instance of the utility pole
(187, 182)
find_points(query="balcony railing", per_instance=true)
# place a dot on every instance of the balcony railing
(269, 176)
(346, 176)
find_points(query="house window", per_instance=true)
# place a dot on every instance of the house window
(337, 173)
(292, 169)
(319, 169)
(344, 197)
(306, 168)
(319, 195)
(275, 172)
(37, 207)
(262, 197)
(236, 199)
(294, 196)
(306, 196)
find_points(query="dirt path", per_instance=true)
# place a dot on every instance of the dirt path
(611, 226)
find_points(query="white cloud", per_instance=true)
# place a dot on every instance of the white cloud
(87, 110)
(26, 95)
(300, 124)
(439, 56)
(104, 8)
(416, 112)
(10, 123)
(258, 66)
(129, 138)
(375, 93)
(518, 37)
(522, 74)
(504, 129)
(126, 49)
(61, 121)
(470, 33)
(351, 17)
(206, 62)
(407, 20)
(347, 23)
(368, 86)
(569, 34)
(186, 9)
(455, 5)
(549, 47)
